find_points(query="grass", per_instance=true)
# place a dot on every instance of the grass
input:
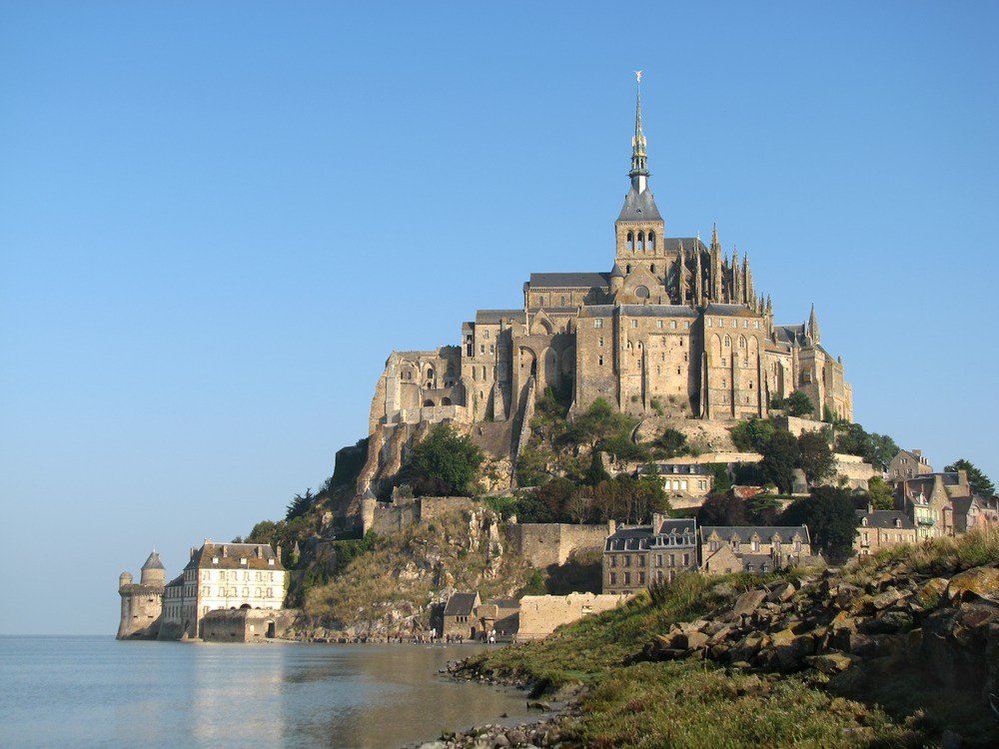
(934, 556)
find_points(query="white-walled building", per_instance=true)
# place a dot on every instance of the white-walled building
(221, 576)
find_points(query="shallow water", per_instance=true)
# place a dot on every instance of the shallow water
(96, 692)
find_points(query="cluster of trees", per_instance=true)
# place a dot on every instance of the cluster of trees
(980, 483)
(796, 404)
(444, 463)
(876, 449)
(782, 452)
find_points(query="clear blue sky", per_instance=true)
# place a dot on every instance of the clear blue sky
(218, 218)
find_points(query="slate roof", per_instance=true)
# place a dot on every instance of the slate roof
(756, 560)
(679, 525)
(657, 310)
(885, 519)
(639, 206)
(460, 604)
(737, 310)
(629, 538)
(570, 280)
(789, 333)
(230, 554)
(493, 316)
(153, 562)
(745, 532)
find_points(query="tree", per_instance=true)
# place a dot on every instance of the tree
(300, 505)
(816, 458)
(830, 517)
(980, 483)
(799, 404)
(876, 449)
(671, 443)
(445, 463)
(532, 465)
(880, 494)
(780, 457)
(762, 510)
(752, 435)
(721, 479)
(557, 494)
(596, 472)
(722, 509)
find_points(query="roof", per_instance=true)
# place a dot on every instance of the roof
(460, 604)
(791, 333)
(738, 310)
(639, 206)
(678, 525)
(493, 316)
(229, 557)
(153, 562)
(962, 505)
(657, 310)
(756, 560)
(885, 519)
(746, 532)
(503, 603)
(570, 280)
(176, 582)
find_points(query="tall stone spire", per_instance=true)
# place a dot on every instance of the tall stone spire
(747, 282)
(813, 326)
(682, 274)
(698, 277)
(639, 159)
(736, 293)
(716, 265)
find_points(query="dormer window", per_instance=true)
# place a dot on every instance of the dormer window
(242, 560)
(271, 561)
(864, 521)
(215, 560)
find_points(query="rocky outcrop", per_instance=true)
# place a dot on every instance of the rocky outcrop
(945, 627)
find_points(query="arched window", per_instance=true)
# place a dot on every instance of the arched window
(627, 268)
(652, 240)
(653, 268)
(428, 403)
(742, 341)
(641, 240)
(728, 341)
(631, 241)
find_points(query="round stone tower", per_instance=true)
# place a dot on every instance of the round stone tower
(153, 572)
(125, 578)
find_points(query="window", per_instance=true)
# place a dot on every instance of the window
(600, 361)
(627, 578)
(641, 578)
(728, 341)
(613, 578)
(634, 323)
(614, 561)
(598, 323)
(672, 324)
(627, 560)
(686, 560)
(659, 323)
(709, 322)
(642, 292)
(600, 342)
(482, 348)
(659, 560)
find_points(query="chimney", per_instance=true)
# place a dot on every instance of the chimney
(277, 552)
(611, 527)
(225, 550)
(193, 550)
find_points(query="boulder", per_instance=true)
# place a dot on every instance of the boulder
(981, 582)
(692, 640)
(781, 593)
(748, 602)
(831, 663)
(846, 594)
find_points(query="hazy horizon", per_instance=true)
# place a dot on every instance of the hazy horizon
(217, 221)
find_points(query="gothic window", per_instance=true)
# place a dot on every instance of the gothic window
(631, 241)
(642, 292)
(742, 341)
(728, 341)
(652, 245)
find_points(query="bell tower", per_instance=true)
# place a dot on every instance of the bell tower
(639, 227)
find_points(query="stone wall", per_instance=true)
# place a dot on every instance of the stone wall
(141, 609)
(540, 615)
(389, 517)
(545, 544)
(246, 625)
(853, 468)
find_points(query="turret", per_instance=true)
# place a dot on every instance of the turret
(698, 278)
(617, 279)
(682, 274)
(716, 265)
(124, 579)
(153, 572)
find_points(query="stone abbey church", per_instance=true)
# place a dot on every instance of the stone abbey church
(675, 327)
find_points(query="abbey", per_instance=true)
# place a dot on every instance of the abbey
(675, 327)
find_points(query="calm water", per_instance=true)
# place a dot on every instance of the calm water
(95, 691)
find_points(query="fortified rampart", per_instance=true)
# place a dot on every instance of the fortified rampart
(246, 625)
(545, 544)
(388, 517)
(540, 615)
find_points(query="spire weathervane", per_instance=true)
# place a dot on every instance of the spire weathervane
(639, 160)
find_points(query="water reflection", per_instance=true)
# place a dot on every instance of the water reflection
(78, 692)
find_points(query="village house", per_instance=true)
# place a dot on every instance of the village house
(928, 500)
(908, 464)
(878, 529)
(221, 576)
(748, 548)
(459, 616)
(636, 556)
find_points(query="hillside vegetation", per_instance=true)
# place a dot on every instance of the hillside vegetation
(740, 661)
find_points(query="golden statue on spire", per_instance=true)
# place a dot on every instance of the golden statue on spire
(638, 75)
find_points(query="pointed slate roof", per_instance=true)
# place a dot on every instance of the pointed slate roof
(153, 562)
(639, 206)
